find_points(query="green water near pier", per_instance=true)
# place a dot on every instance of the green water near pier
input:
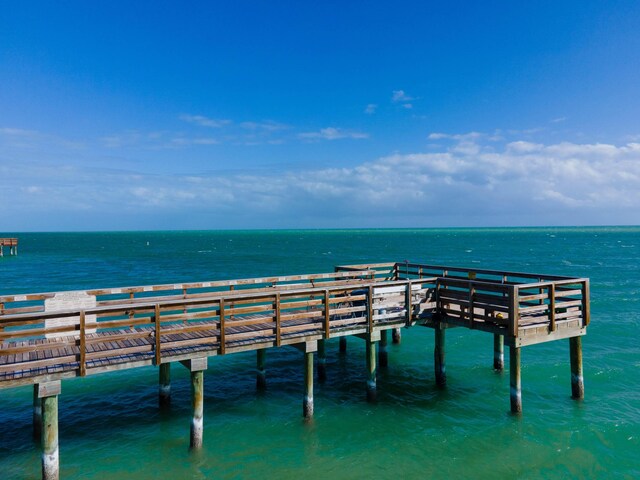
(111, 426)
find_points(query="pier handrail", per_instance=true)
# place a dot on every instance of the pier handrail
(282, 281)
(280, 310)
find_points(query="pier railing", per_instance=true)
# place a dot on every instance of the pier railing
(103, 329)
(148, 332)
(523, 304)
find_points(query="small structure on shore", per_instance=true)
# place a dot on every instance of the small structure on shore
(12, 243)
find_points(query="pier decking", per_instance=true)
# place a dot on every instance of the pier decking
(48, 337)
(12, 243)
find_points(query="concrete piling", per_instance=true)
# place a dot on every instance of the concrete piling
(164, 384)
(577, 379)
(498, 352)
(371, 370)
(515, 379)
(307, 402)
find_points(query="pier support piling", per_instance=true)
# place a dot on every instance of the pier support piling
(48, 394)
(343, 345)
(397, 335)
(383, 354)
(197, 406)
(439, 357)
(261, 371)
(322, 361)
(371, 370)
(307, 402)
(577, 380)
(498, 352)
(196, 366)
(164, 384)
(515, 379)
(37, 415)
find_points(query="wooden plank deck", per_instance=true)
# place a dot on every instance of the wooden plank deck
(135, 326)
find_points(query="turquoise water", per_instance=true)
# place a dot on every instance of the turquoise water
(111, 427)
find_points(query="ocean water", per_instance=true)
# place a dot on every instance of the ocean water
(111, 426)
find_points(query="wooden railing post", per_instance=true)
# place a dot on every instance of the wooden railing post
(370, 308)
(83, 344)
(158, 356)
(407, 302)
(586, 308)
(327, 316)
(552, 307)
(472, 294)
(514, 307)
(223, 346)
(278, 321)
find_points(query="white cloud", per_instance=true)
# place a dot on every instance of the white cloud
(185, 142)
(332, 133)
(268, 126)
(371, 109)
(19, 132)
(400, 96)
(203, 121)
(471, 180)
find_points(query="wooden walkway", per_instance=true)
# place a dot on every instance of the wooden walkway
(47, 337)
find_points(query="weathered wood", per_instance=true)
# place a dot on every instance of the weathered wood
(498, 352)
(223, 342)
(197, 409)
(261, 372)
(577, 379)
(370, 307)
(515, 379)
(164, 384)
(514, 313)
(307, 401)
(83, 345)
(371, 370)
(278, 320)
(439, 356)
(586, 306)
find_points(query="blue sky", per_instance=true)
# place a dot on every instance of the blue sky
(163, 115)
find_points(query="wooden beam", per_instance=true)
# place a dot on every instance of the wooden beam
(223, 340)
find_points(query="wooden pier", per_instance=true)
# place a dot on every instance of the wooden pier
(12, 243)
(46, 338)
